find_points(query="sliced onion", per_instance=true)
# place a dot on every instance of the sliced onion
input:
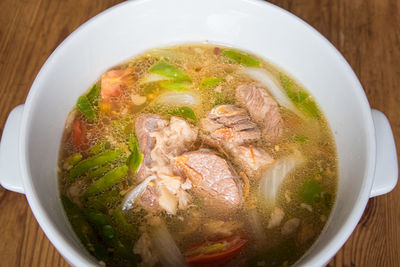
(153, 77)
(168, 252)
(273, 87)
(273, 177)
(256, 227)
(132, 195)
(178, 99)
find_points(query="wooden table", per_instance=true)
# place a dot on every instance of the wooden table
(367, 33)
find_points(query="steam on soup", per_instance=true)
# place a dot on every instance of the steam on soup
(197, 154)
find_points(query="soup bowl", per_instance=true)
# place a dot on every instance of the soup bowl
(31, 138)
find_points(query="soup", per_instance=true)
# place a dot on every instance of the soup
(197, 155)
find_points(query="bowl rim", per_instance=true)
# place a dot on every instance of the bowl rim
(76, 258)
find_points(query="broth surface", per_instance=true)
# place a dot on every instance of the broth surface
(100, 156)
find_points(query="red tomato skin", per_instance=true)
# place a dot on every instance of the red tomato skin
(78, 134)
(113, 81)
(218, 256)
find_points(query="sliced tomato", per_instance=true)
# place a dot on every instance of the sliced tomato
(113, 81)
(215, 251)
(78, 134)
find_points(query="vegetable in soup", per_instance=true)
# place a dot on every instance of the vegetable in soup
(197, 155)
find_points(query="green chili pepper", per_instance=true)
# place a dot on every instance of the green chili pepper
(86, 108)
(95, 161)
(297, 96)
(83, 230)
(108, 180)
(185, 112)
(104, 201)
(170, 71)
(93, 95)
(123, 225)
(300, 138)
(100, 171)
(175, 85)
(103, 226)
(241, 58)
(98, 148)
(310, 191)
(300, 98)
(136, 157)
(179, 80)
(286, 83)
(134, 161)
(71, 161)
(133, 144)
(309, 107)
(210, 82)
(120, 219)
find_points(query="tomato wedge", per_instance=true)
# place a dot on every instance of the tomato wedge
(78, 134)
(113, 81)
(215, 251)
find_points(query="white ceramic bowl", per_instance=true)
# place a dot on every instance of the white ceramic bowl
(31, 138)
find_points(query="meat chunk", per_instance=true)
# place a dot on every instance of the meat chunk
(144, 126)
(230, 124)
(174, 139)
(212, 177)
(160, 141)
(230, 128)
(149, 198)
(290, 226)
(276, 218)
(263, 109)
(252, 159)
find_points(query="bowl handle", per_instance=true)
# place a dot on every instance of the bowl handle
(386, 169)
(10, 173)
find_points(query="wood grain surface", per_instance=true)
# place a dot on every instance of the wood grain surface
(367, 33)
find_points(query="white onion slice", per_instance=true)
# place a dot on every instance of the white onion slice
(132, 195)
(256, 227)
(273, 177)
(178, 99)
(153, 77)
(168, 252)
